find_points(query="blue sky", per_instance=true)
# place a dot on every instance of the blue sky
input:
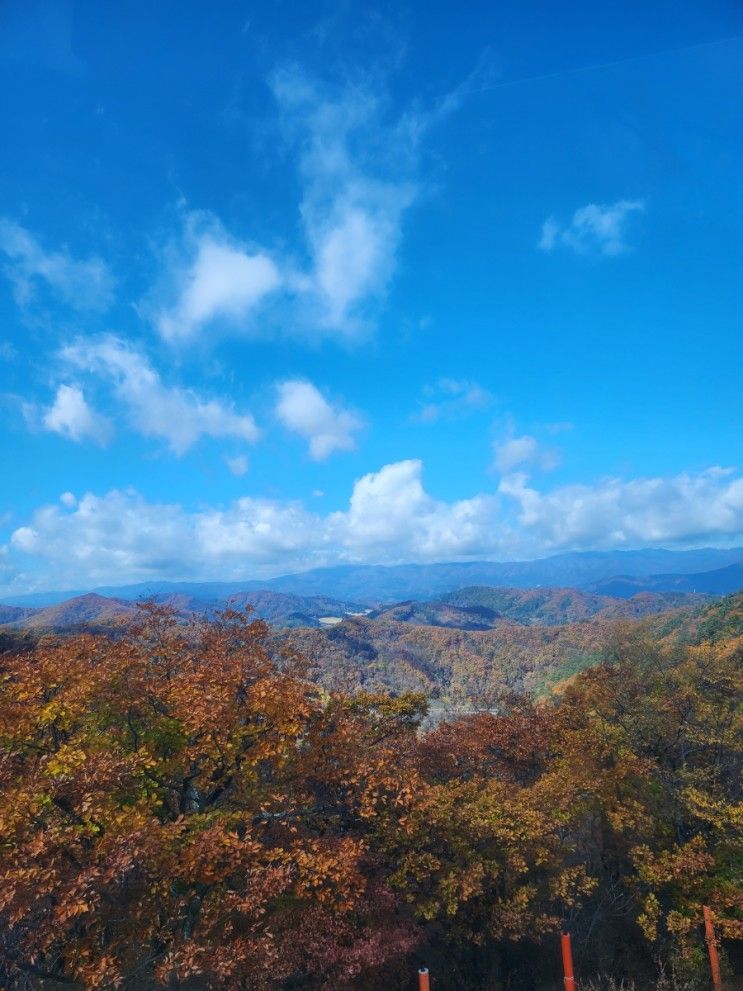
(293, 284)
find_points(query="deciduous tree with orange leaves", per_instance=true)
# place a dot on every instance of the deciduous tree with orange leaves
(175, 805)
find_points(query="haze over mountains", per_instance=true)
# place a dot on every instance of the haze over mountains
(719, 581)
(459, 633)
(619, 573)
(572, 588)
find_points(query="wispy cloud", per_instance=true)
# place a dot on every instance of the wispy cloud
(601, 229)
(212, 277)
(357, 169)
(358, 164)
(8, 352)
(238, 465)
(524, 452)
(515, 451)
(71, 415)
(176, 415)
(83, 284)
(559, 427)
(449, 399)
(303, 409)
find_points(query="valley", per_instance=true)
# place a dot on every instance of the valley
(461, 649)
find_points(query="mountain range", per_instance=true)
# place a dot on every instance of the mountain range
(474, 608)
(720, 581)
(460, 649)
(92, 611)
(458, 666)
(618, 573)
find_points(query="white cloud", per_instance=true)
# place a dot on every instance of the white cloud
(71, 416)
(176, 415)
(84, 284)
(683, 509)
(217, 279)
(120, 534)
(593, 228)
(357, 170)
(303, 409)
(358, 164)
(524, 451)
(353, 257)
(238, 465)
(513, 452)
(390, 518)
(451, 398)
(550, 235)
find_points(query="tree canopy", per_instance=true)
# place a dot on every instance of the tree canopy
(181, 807)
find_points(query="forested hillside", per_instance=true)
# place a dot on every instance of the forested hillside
(460, 666)
(554, 606)
(460, 652)
(94, 611)
(451, 665)
(182, 808)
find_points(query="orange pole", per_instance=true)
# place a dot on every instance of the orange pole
(567, 962)
(714, 960)
(423, 984)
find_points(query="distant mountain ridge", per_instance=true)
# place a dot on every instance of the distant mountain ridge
(89, 612)
(556, 606)
(378, 584)
(720, 581)
(93, 611)
(484, 607)
(473, 608)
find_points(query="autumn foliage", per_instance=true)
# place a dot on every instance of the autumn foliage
(181, 807)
